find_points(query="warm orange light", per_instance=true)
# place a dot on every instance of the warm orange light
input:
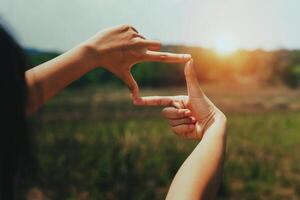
(225, 44)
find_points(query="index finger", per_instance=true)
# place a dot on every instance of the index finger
(155, 101)
(166, 57)
(152, 45)
(175, 113)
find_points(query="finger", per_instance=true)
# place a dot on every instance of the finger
(152, 45)
(134, 29)
(140, 41)
(166, 57)
(179, 104)
(132, 85)
(154, 101)
(192, 117)
(177, 122)
(183, 130)
(174, 113)
(192, 82)
(188, 113)
(136, 35)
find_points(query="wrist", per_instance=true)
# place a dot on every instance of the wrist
(87, 56)
(216, 125)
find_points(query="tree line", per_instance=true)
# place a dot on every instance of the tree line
(242, 67)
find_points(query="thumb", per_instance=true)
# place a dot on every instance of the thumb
(132, 85)
(192, 82)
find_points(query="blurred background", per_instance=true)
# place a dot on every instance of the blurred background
(92, 143)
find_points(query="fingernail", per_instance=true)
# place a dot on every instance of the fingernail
(187, 112)
(186, 56)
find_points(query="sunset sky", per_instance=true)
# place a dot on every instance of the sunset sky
(220, 24)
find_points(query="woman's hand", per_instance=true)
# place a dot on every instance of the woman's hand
(118, 49)
(190, 116)
(195, 117)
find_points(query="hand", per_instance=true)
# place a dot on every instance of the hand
(190, 116)
(118, 49)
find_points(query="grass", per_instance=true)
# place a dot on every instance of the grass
(262, 159)
(96, 145)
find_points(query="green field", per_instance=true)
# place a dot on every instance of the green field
(94, 144)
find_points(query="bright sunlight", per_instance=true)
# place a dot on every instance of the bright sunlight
(225, 43)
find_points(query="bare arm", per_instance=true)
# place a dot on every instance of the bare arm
(116, 49)
(195, 117)
(199, 176)
(47, 79)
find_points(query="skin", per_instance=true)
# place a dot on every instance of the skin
(116, 49)
(195, 117)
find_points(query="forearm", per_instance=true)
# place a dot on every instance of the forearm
(47, 79)
(199, 176)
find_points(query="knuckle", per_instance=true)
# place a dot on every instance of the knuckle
(131, 27)
(163, 112)
(136, 36)
(124, 27)
(179, 113)
(163, 57)
(189, 120)
(166, 112)
(134, 41)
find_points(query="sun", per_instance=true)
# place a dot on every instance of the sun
(225, 44)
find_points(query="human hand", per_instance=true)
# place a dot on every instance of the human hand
(118, 49)
(189, 116)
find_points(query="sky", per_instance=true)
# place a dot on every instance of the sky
(221, 24)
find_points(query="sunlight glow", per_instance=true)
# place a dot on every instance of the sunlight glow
(225, 44)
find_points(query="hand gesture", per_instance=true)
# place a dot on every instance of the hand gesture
(190, 116)
(118, 49)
